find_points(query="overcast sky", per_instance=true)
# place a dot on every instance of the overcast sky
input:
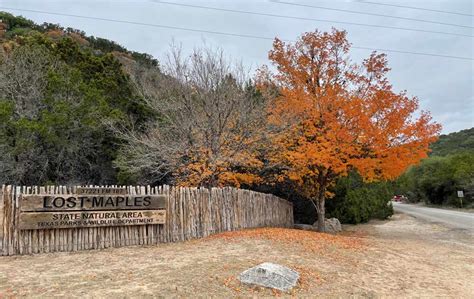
(443, 85)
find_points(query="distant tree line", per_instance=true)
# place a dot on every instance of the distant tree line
(457, 142)
(449, 169)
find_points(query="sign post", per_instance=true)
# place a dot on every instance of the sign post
(460, 195)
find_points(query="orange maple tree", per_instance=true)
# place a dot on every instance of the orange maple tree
(332, 115)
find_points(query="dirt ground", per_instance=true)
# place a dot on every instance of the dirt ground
(401, 257)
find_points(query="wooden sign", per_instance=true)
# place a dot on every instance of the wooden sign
(90, 207)
(47, 220)
(79, 202)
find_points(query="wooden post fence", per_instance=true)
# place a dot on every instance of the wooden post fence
(190, 213)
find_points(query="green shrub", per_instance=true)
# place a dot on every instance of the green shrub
(358, 202)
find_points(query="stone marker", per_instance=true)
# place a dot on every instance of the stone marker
(332, 225)
(270, 276)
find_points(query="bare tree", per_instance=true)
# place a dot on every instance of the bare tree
(23, 81)
(209, 123)
(23, 78)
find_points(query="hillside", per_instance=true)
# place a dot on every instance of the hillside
(18, 27)
(60, 93)
(454, 143)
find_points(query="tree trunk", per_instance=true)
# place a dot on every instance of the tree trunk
(321, 212)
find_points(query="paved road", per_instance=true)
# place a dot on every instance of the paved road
(451, 218)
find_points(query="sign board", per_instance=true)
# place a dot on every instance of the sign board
(460, 193)
(90, 207)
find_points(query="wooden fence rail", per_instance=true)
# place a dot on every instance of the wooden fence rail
(190, 213)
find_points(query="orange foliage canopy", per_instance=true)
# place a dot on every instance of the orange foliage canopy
(333, 115)
(209, 169)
